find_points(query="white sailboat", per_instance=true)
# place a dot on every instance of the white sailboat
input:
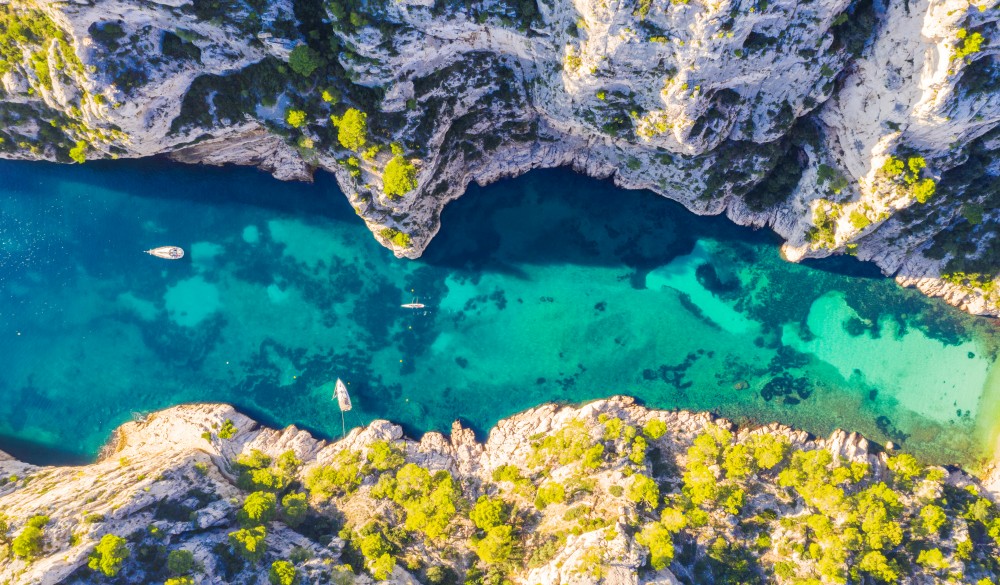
(167, 252)
(413, 305)
(342, 397)
(343, 401)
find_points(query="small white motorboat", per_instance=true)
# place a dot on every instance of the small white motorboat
(167, 252)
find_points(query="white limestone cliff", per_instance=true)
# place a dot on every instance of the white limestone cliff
(170, 460)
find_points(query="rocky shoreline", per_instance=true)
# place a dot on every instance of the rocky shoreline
(176, 480)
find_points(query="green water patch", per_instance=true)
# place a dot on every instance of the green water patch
(551, 287)
(191, 301)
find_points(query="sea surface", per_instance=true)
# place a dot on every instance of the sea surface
(550, 287)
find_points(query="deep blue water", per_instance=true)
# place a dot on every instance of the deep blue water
(548, 287)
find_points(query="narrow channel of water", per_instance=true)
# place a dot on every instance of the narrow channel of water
(548, 287)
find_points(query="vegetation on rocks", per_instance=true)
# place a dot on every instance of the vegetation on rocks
(399, 177)
(109, 554)
(599, 493)
(908, 174)
(352, 129)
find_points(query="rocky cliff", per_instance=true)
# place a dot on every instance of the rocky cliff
(860, 126)
(608, 492)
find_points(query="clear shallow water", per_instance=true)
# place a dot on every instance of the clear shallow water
(548, 287)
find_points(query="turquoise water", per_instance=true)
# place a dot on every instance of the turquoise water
(548, 287)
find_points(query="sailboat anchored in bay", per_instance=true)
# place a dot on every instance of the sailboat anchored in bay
(343, 401)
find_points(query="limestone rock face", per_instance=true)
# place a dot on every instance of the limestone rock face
(171, 479)
(781, 113)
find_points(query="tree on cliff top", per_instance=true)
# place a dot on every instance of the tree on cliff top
(399, 178)
(352, 129)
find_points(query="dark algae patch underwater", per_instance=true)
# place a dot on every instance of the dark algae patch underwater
(550, 287)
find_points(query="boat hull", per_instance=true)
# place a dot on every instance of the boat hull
(167, 252)
(343, 398)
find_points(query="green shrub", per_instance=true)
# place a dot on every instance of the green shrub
(352, 129)
(654, 429)
(769, 450)
(878, 566)
(255, 460)
(643, 490)
(738, 462)
(429, 501)
(255, 474)
(399, 177)
(249, 543)
(497, 546)
(228, 430)
(29, 543)
(970, 45)
(294, 508)
(659, 541)
(612, 428)
(340, 478)
(933, 559)
(175, 47)
(304, 60)
(488, 512)
(924, 190)
(283, 573)
(38, 521)
(568, 445)
(258, 508)
(932, 518)
(637, 452)
(398, 238)
(908, 174)
(905, 470)
(593, 457)
(377, 551)
(550, 493)
(79, 152)
(509, 473)
(296, 118)
(180, 562)
(973, 213)
(108, 555)
(381, 568)
(288, 463)
(262, 479)
(859, 220)
(384, 456)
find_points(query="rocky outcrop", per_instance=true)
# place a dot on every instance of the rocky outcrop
(175, 480)
(780, 113)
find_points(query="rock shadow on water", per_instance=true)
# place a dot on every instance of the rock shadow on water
(38, 453)
(565, 218)
(161, 178)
